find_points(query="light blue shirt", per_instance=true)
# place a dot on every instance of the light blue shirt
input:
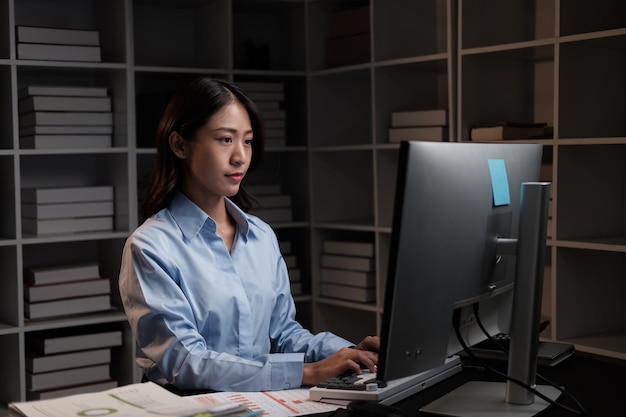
(205, 318)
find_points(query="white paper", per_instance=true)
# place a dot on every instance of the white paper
(135, 400)
(287, 403)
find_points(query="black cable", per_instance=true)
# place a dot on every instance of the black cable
(541, 377)
(457, 330)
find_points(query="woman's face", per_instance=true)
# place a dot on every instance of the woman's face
(217, 158)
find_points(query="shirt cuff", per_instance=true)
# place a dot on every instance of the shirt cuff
(287, 370)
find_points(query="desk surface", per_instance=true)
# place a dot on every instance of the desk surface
(599, 384)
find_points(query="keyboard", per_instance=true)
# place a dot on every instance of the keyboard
(346, 388)
(353, 381)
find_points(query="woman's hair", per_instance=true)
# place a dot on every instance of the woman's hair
(189, 109)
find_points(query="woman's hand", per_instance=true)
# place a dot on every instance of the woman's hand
(364, 355)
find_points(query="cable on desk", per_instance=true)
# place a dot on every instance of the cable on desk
(539, 376)
(457, 329)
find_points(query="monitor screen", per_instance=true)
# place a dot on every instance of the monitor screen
(453, 200)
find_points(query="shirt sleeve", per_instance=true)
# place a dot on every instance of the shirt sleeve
(288, 335)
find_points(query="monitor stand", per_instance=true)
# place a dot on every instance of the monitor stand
(505, 399)
(486, 399)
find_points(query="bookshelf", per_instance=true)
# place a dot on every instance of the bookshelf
(552, 61)
(558, 62)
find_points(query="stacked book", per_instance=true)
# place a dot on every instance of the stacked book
(69, 364)
(348, 271)
(272, 206)
(53, 117)
(509, 130)
(64, 210)
(349, 37)
(269, 98)
(57, 44)
(426, 125)
(291, 260)
(65, 290)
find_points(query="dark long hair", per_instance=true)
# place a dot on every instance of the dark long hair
(188, 110)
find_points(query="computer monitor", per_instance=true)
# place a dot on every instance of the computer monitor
(456, 241)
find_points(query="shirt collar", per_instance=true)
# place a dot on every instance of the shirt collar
(191, 219)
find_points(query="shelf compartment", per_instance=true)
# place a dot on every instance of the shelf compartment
(120, 354)
(349, 323)
(6, 109)
(386, 177)
(78, 170)
(11, 355)
(171, 33)
(407, 29)
(512, 85)
(113, 80)
(577, 17)
(295, 248)
(408, 87)
(326, 234)
(7, 194)
(293, 104)
(580, 193)
(592, 98)
(321, 28)
(490, 22)
(343, 187)
(145, 165)
(9, 296)
(152, 92)
(5, 32)
(289, 171)
(341, 106)
(587, 279)
(107, 17)
(269, 35)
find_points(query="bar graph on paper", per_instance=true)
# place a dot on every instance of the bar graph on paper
(285, 403)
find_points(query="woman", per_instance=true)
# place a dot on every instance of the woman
(203, 283)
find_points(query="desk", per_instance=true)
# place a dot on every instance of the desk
(599, 384)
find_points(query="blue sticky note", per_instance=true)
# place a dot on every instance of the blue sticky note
(499, 182)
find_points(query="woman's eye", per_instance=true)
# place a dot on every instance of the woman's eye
(249, 141)
(226, 139)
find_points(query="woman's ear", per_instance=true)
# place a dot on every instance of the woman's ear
(177, 144)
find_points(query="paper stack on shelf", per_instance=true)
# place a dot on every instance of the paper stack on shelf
(426, 125)
(57, 44)
(509, 130)
(69, 362)
(291, 260)
(348, 271)
(272, 206)
(269, 98)
(58, 117)
(63, 290)
(65, 210)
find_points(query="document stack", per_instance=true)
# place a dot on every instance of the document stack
(69, 362)
(291, 260)
(269, 97)
(57, 117)
(57, 44)
(348, 271)
(272, 206)
(426, 125)
(66, 210)
(65, 290)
